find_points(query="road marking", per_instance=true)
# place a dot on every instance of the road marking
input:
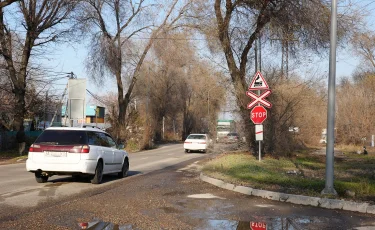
(144, 158)
(264, 205)
(205, 196)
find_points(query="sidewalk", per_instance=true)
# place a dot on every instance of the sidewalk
(295, 199)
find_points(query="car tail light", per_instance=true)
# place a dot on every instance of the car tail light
(80, 149)
(202, 142)
(187, 142)
(85, 149)
(34, 148)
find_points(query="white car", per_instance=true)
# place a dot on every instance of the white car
(196, 142)
(74, 151)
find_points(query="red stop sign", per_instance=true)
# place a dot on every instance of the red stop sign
(258, 114)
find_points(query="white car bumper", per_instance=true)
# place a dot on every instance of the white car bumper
(83, 166)
(195, 146)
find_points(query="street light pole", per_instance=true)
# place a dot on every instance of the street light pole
(329, 189)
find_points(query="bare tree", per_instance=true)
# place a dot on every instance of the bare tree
(42, 22)
(7, 3)
(239, 24)
(112, 51)
(363, 44)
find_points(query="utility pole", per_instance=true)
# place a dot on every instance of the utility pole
(329, 189)
(45, 110)
(256, 70)
(163, 127)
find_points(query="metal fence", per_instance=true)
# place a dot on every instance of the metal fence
(8, 139)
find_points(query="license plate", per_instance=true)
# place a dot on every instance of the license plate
(55, 154)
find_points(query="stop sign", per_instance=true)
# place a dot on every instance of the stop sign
(258, 225)
(258, 114)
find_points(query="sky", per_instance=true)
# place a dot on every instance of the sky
(71, 58)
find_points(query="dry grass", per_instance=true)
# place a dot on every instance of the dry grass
(303, 174)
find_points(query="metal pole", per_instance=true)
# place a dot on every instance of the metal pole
(259, 69)
(163, 127)
(260, 52)
(208, 110)
(147, 101)
(329, 189)
(256, 56)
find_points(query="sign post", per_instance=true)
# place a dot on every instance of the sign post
(258, 114)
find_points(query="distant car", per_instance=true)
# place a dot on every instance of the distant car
(232, 138)
(73, 151)
(197, 142)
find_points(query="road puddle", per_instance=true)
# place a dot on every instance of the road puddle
(170, 210)
(101, 225)
(266, 223)
(269, 224)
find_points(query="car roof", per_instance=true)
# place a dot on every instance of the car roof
(84, 128)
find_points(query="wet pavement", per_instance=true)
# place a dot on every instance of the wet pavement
(175, 198)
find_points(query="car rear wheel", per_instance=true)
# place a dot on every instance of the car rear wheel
(40, 178)
(98, 174)
(125, 169)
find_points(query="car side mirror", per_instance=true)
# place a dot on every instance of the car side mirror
(121, 146)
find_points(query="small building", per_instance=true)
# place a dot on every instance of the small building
(93, 114)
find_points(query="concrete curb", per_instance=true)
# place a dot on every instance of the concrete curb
(295, 199)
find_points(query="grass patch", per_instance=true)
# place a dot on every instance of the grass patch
(11, 156)
(302, 174)
(12, 153)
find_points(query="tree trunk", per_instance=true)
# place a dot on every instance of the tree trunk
(20, 112)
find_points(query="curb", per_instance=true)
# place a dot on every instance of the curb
(294, 199)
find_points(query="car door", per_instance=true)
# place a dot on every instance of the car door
(117, 154)
(108, 155)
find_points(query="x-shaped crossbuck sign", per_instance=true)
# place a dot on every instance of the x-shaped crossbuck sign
(259, 99)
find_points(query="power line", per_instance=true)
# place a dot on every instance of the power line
(98, 99)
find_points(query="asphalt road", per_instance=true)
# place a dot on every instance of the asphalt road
(170, 196)
(19, 188)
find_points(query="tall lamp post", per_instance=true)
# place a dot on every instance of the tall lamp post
(329, 189)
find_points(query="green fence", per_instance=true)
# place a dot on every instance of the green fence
(8, 139)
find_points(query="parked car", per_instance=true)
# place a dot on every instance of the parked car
(232, 138)
(197, 142)
(86, 151)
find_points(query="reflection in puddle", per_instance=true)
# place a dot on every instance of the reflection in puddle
(298, 223)
(269, 224)
(100, 225)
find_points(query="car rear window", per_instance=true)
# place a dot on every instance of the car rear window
(196, 137)
(62, 137)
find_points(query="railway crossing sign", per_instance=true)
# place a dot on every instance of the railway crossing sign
(258, 82)
(259, 99)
